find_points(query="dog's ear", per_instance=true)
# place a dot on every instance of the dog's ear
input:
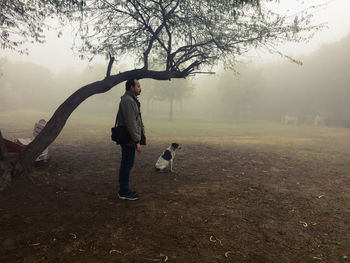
(175, 145)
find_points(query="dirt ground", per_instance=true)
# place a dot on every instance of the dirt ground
(222, 204)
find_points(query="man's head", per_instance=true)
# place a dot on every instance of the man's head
(134, 86)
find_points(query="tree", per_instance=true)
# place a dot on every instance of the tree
(239, 92)
(176, 90)
(23, 21)
(5, 167)
(184, 36)
(36, 83)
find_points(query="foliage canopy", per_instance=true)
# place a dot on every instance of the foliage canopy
(184, 35)
(181, 35)
(23, 21)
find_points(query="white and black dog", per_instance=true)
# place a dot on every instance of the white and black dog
(165, 161)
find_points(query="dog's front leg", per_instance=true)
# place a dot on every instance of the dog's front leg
(171, 165)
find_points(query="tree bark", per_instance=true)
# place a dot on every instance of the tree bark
(3, 150)
(61, 115)
(5, 166)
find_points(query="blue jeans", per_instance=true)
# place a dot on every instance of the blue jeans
(126, 164)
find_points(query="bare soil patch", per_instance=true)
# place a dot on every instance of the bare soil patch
(222, 204)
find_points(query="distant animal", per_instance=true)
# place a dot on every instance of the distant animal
(288, 119)
(165, 161)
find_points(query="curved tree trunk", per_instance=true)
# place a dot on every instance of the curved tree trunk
(61, 115)
(3, 150)
(5, 167)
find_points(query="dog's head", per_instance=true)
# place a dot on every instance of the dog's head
(175, 146)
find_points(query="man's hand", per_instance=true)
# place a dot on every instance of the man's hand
(138, 147)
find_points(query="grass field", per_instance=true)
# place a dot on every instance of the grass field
(324, 143)
(244, 191)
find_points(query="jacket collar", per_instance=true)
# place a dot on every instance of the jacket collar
(131, 94)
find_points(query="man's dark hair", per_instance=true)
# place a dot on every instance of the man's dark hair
(129, 83)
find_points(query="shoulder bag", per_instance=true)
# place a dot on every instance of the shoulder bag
(120, 134)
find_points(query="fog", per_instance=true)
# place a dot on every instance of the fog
(255, 91)
(272, 90)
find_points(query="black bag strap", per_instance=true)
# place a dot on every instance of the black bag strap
(116, 119)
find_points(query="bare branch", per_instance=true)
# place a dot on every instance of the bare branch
(202, 72)
(151, 41)
(111, 60)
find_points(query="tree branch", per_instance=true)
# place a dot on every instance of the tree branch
(148, 50)
(111, 60)
(202, 72)
(191, 67)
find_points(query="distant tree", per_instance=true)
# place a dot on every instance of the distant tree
(32, 90)
(320, 87)
(171, 91)
(184, 36)
(240, 92)
(148, 95)
(175, 90)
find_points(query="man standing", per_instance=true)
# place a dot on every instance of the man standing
(129, 115)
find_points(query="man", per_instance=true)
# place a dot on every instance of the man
(129, 115)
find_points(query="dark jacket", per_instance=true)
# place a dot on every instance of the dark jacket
(129, 115)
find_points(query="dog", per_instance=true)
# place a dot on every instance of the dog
(165, 161)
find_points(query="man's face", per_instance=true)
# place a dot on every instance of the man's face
(137, 88)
